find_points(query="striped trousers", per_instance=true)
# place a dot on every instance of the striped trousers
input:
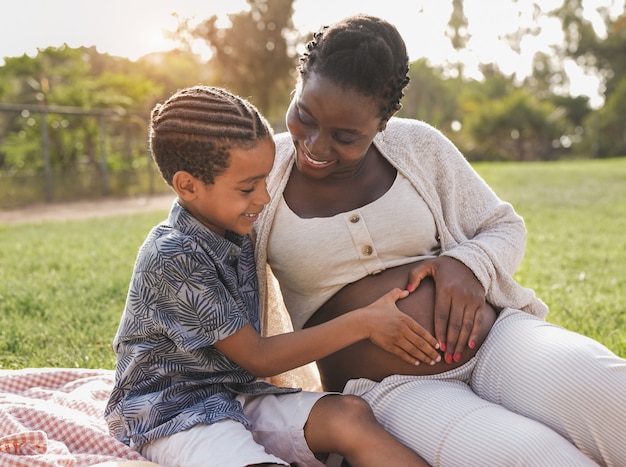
(535, 394)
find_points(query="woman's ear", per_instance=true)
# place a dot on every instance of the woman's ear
(383, 122)
(185, 185)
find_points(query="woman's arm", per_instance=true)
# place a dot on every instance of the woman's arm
(482, 238)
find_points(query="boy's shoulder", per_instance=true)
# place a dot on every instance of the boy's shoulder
(165, 243)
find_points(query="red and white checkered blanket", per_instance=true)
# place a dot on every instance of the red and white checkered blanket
(54, 417)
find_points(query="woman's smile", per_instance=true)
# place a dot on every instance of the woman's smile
(313, 160)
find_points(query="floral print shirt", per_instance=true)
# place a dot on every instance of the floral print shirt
(190, 289)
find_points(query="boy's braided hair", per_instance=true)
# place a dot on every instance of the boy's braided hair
(363, 53)
(195, 129)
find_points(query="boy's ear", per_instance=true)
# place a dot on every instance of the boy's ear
(185, 185)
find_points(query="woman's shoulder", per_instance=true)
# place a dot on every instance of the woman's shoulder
(408, 135)
(411, 126)
(284, 150)
(284, 143)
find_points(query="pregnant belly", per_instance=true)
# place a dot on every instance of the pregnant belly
(366, 360)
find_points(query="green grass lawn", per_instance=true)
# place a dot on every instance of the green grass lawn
(63, 284)
(575, 213)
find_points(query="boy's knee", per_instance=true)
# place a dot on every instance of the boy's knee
(335, 421)
(354, 408)
(341, 411)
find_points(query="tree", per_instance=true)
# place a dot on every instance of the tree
(516, 127)
(457, 33)
(68, 78)
(429, 97)
(608, 137)
(255, 56)
(605, 57)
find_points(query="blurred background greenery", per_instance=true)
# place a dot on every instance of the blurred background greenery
(73, 120)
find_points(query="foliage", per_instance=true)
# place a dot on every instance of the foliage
(255, 56)
(610, 125)
(429, 97)
(457, 33)
(95, 106)
(74, 87)
(606, 58)
(63, 284)
(516, 127)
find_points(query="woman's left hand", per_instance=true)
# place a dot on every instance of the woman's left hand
(459, 303)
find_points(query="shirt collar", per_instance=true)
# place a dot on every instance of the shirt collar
(227, 248)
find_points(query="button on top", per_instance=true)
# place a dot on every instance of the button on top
(367, 250)
(354, 218)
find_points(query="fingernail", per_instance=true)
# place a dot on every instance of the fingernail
(472, 344)
(417, 362)
(457, 356)
(409, 288)
(448, 358)
(442, 346)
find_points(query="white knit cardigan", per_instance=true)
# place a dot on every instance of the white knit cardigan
(474, 225)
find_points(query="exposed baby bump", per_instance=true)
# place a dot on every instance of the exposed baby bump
(365, 359)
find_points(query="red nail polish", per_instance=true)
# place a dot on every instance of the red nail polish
(448, 358)
(457, 356)
(442, 346)
(409, 288)
(472, 344)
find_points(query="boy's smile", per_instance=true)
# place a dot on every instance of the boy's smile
(238, 195)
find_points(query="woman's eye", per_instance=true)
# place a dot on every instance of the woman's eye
(345, 139)
(305, 118)
(248, 191)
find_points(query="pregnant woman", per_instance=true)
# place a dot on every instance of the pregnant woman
(363, 202)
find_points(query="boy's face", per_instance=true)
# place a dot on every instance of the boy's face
(239, 194)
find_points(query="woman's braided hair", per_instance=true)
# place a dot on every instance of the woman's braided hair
(362, 53)
(197, 127)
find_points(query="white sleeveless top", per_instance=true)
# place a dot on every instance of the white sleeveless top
(314, 258)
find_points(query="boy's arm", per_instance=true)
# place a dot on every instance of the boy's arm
(381, 322)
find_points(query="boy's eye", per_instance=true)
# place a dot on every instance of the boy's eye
(248, 191)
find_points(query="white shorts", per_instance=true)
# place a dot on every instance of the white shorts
(277, 436)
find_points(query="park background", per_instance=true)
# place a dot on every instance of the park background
(550, 85)
(545, 127)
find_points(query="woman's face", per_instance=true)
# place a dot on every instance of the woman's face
(332, 128)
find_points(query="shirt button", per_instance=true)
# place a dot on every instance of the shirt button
(367, 250)
(354, 218)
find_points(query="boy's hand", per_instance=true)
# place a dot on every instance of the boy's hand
(398, 333)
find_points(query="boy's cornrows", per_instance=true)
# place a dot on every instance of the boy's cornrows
(195, 129)
(363, 53)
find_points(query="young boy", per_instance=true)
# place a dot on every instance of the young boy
(189, 350)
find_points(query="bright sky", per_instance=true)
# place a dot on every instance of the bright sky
(133, 28)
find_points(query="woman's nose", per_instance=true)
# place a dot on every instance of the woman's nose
(263, 195)
(317, 144)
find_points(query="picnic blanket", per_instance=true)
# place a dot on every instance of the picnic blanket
(54, 417)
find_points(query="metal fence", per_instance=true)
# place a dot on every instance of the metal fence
(80, 182)
(22, 190)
